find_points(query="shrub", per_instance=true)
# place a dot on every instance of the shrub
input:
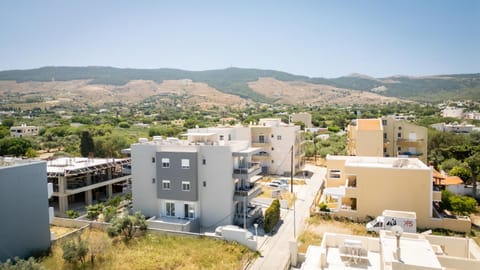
(462, 205)
(20, 264)
(127, 226)
(324, 207)
(109, 213)
(272, 216)
(72, 214)
(93, 211)
(75, 251)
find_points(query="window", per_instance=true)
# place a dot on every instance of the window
(229, 137)
(279, 137)
(399, 149)
(185, 185)
(399, 128)
(221, 137)
(384, 135)
(273, 148)
(204, 162)
(185, 163)
(153, 159)
(384, 122)
(204, 183)
(153, 180)
(335, 173)
(170, 209)
(273, 135)
(384, 150)
(189, 211)
(399, 134)
(165, 163)
(261, 139)
(166, 184)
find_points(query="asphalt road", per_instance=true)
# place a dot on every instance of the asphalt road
(275, 250)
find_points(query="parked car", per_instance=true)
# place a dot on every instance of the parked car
(272, 184)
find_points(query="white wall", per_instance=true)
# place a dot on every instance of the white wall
(216, 198)
(144, 192)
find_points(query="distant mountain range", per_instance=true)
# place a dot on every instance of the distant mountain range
(238, 81)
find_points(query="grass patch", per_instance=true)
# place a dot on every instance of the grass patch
(59, 231)
(153, 251)
(319, 224)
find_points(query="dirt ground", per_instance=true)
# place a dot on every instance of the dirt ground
(317, 226)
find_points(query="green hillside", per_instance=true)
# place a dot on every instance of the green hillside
(235, 81)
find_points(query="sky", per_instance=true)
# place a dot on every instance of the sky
(312, 38)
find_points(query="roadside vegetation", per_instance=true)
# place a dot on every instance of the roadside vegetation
(151, 251)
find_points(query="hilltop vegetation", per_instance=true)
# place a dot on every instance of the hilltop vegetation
(236, 81)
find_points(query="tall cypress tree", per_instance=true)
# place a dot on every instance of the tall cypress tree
(87, 147)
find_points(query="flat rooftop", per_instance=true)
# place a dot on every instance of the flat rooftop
(380, 162)
(11, 161)
(369, 124)
(61, 165)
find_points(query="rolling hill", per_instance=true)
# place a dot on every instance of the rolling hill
(250, 84)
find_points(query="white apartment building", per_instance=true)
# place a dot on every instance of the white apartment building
(452, 112)
(196, 184)
(23, 131)
(276, 140)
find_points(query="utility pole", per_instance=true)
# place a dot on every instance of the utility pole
(291, 170)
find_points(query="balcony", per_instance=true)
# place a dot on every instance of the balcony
(261, 155)
(250, 193)
(253, 213)
(410, 154)
(261, 143)
(252, 168)
(409, 142)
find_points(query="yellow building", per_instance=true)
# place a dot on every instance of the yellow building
(404, 139)
(365, 138)
(388, 137)
(359, 186)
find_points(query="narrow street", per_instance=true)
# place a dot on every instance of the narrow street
(275, 250)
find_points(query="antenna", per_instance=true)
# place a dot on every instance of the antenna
(397, 231)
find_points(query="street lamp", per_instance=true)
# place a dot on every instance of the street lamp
(397, 231)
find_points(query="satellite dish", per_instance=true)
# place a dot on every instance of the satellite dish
(397, 230)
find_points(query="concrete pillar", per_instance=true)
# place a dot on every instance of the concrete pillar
(293, 252)
(88, 197)
(109, 191)
(88, 193)
(61, 185)
(62, 204)
(109, 173)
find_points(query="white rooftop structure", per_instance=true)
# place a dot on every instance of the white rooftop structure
(417, 251)
(67, 165)
(380, 162)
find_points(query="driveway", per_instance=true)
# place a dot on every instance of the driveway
(275, 249)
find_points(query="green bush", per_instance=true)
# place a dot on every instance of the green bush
(93, 211)
(20, 264)
(72, 214)
(272, 216)
(75, 251)
(127, 226)
(462, 205)
(324, 207)
(109, 213)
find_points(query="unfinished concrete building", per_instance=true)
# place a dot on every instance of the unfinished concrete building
(78, 182)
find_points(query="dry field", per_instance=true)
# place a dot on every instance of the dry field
(316, 226)
(154, 251)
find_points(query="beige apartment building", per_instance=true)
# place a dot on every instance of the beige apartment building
(360, 186)
(399, 138)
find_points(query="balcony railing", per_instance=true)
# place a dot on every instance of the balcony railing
(251, 192)
(250, 168)
(411, 154)
(262, 142)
